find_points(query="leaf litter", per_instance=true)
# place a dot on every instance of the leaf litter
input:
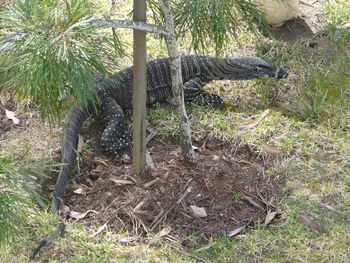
(182, 199)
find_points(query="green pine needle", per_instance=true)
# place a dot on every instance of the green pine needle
(50, 52)
(18, 196)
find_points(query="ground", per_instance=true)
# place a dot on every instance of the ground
(304, 188)
(221, 182)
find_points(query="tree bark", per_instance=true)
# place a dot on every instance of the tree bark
(139, 93)
(177, 86)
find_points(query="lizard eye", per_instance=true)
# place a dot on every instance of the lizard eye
(259, 69)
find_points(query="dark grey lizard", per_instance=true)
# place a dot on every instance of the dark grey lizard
(115, 95)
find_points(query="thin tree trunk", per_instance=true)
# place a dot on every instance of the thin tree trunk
(139, 93)
(177, 86)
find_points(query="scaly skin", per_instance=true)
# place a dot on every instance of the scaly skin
(115, 94)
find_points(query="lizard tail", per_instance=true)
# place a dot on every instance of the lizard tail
(47, 240)
(72, 124)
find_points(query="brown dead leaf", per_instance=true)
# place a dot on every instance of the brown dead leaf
(268, 149)
(100, 162)
(198, 211)
(100, 229)
(149, 161)
(308, 220)
(165, 231)
(205, 247)
(256, 121)
(80, 143)
(118, 181)
(252, 202)
(151, 183)
(79, 191)
(64, 210)
(90, 159)
(253, 164)
(100, 168)
(2, 99)
(236, 231)
(138, 206)
(12, 116)
(269, 217)
(77, 215)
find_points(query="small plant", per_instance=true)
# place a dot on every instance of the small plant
(237, 197)
(347, 182)
(327, 97)
(17, 199)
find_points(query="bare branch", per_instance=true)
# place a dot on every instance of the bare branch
(177, 86)
(150, 28)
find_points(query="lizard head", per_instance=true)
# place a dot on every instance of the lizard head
(253, 67)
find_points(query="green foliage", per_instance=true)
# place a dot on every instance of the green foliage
(338, 18)
(16, 199)
(211, 23)
(50, 51)
(327, 97)
(214, 23)
(337, 11)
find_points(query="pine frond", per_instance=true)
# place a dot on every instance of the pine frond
(50, 52)
(18, 198)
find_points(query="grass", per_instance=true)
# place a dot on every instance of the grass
(309, 120)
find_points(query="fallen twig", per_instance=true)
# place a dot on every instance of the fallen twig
(151, 136)
(239, 230)
(252, 202)
(267, 203)
(256, 121)
(255, 165)
(151, 183)
(155, 223)
(100, 229)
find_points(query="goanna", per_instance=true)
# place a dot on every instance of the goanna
(115, 95)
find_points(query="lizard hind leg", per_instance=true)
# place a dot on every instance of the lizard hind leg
(114, 137)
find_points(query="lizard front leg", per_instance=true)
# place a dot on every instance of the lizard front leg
(194, 93)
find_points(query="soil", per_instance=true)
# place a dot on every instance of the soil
(226, 183)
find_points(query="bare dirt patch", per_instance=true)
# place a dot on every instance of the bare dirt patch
(305, 25)
(228, 186)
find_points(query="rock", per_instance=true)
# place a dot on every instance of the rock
(216, 158)
(277, 12)
(198, 211)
